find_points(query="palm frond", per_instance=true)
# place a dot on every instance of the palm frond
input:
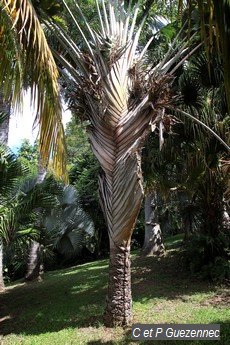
(68, 226)
(205, 126)
(68, 196)
(11, 230)
(33, 199)
(222, 12)
(26, 52)
(71, 244)
(215, 32)
(10, 171)
(190, 91)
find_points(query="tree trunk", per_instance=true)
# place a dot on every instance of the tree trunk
(153, 243)
(35, 260)
(42, 171)
(35, 266)
(4, 126)
(2, 286)
(121, 200)
(117, 144)
(118, 310)
(4, 133)
(225, 217)
(186, 207)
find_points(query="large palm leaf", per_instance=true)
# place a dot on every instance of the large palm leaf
(68, 225)
(26, 60)
(10, 171)
(10, 230)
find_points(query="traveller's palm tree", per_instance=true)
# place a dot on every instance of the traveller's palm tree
(123, 99)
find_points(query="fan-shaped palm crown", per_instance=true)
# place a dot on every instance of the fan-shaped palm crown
(116, 90)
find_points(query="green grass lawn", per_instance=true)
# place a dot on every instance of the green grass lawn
(67, 307)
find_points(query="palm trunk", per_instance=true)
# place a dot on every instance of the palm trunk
(4, 126)
(118, 310)
(153, 243)
(186, 206)
(2, 286)
(226, 219)
(121, 210)
(35, 267)
(4, 133)
(35, 261)
(42, 171)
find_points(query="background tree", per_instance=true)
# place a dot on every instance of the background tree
(28, 156)
(190, 163)
(207, 178)
(83, 174)
(4, 120)
(60, 221)
(153, 242)
(10, 172)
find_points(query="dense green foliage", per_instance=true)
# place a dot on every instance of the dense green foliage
(28, 156)
(188, 170)
(48, 212)
(83, 174)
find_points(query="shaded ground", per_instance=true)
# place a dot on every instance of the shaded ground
(67, 307)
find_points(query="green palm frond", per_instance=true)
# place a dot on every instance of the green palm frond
(11, 230)
(71, 244)
(7, 224)
(26, 61)
(10, 66)
(34, 199)
(202, 124)
(10, 171)
(3, 116)
(199, 87)
(190, 91)
(209, 73)
(68, 226)
(215, 32)
(68, 196)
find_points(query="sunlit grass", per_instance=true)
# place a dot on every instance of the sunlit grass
(67, 306)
